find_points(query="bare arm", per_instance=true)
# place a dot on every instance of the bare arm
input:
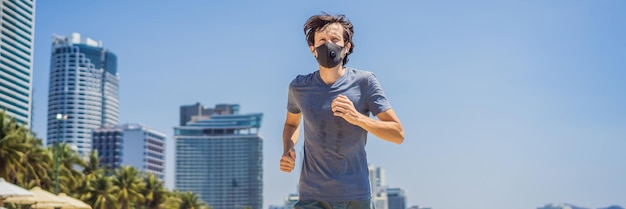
(387, 127)
(291, 131)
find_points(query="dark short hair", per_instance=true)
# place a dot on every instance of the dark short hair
(320, 22)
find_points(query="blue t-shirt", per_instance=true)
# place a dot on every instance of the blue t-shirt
(335, 164)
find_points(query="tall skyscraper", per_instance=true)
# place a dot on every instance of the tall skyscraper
(131, 144)
(396, 198)
(17, 35)
(220, 158)
(83, 88)
(378, 185)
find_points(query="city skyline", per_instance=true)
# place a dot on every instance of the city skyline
(503, 103)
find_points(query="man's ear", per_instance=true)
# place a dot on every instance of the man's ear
(313, 51)
(347, 47)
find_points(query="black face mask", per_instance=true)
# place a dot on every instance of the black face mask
(329, 54)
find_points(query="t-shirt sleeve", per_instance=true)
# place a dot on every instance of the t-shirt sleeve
(377, 101)
(292, 103)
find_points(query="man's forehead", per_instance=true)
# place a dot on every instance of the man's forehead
(333, 29)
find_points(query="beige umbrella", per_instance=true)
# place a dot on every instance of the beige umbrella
(39, 197)
(75, 202)
(11, 190)
(71, 203)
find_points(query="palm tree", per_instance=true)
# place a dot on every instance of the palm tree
(12, 148)
(172, 200)
(70, 179)
(154, 192)
(130, 187)
(100, 192)
(92, 166)
(36, 162)
(190, 200)
(91, 171)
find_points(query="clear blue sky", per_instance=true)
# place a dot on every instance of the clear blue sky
(514, 104)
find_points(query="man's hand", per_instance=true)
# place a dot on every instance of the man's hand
(288, 161)
(343, 107)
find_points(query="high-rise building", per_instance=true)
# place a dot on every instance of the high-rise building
(220, 158)
(131, 144)
(17, 35)
(378, 185)
(396, 198)
(83, 89)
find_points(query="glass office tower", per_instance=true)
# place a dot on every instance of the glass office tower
(83, 89)
(17, 34)
(220, 158)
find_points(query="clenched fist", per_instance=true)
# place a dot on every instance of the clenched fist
(288, 161)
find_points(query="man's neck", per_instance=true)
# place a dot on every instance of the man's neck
(330, 75)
